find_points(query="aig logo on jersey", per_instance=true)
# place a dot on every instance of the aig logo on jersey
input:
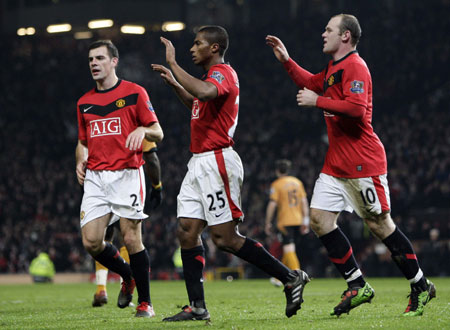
(195, 110)
(108, 126)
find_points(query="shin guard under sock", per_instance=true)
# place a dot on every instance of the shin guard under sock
(140, 264)
(111, 259)
(255, 253)
(341, 255)
(193, 265)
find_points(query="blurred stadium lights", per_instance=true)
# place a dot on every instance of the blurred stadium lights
(100, 23)
(57, 28)
(26, 31)
(173, 26)
(83, 35)
(132, 29)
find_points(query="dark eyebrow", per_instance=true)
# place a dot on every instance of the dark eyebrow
(97, 57)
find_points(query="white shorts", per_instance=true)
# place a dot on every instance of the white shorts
(211, 189)
(367, 196)
(120, 192)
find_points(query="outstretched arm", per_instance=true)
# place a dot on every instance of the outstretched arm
(301, 77)
(185, 97)
(279, 50)
(200, 89)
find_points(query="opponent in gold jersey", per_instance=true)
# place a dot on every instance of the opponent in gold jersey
(288, 199)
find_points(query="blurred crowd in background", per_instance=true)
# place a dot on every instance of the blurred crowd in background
(406, 51)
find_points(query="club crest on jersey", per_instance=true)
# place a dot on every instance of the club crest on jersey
(120, 103)
(331, 80)
(150, 106)
(357, 87)
(195, 110)
(108, 126)
(217, 76)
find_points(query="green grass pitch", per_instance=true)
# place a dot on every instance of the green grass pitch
(240, 304)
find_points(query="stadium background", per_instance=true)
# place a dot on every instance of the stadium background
(405, 43)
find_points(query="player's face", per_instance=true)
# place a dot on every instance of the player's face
(101, 64)
(331, 36)
(201, 50)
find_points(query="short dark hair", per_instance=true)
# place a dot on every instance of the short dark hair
(283, 166)
(350, 23)
(112, 49)
(216, 34)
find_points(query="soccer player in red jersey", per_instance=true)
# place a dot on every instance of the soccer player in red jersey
(154, 199)
(354, 176)
(210, 192)
(113, 120)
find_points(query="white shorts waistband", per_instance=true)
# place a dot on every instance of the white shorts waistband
(212, 152)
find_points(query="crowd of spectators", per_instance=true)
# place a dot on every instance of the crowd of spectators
(42, 78)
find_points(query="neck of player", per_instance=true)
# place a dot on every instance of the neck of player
(107, 83)
(213, 61)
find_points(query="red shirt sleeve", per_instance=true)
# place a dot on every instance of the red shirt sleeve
(303, 78)
(145, 113)
(218, 76)
(355, 84)
(343, 107)
(355, 93)
(82, 136)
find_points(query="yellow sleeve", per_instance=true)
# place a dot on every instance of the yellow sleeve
(147, 145)
(273, 192)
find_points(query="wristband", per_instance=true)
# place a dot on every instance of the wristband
(159, 185)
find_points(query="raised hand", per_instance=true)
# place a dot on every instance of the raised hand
(170, 50)
(278, 48)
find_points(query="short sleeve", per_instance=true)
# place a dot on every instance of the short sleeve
(301, 190)
(82, 136)
(273, 193)
(218, 75)
(144, 108)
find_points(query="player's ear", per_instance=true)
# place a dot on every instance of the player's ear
(115, 61)
(346, 36)
(215, 47)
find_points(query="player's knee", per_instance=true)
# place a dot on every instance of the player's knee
(92, 246)
(186, 236)
(132, 241)
(316, 224)
(381, 225)
(227, 244)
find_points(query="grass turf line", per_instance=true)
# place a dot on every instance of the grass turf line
(240, 304)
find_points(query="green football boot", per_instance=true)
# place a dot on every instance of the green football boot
(418, 299)
(353, 297)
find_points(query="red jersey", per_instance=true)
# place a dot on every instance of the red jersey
(106, 118)
(354, 151)
(213, 122)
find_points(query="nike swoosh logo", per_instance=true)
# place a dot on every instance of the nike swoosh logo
(86, 109)
(218, 215)
(138, 211)
(349, 272)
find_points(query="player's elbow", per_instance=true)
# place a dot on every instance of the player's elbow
(159, 136)
(358, 112)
